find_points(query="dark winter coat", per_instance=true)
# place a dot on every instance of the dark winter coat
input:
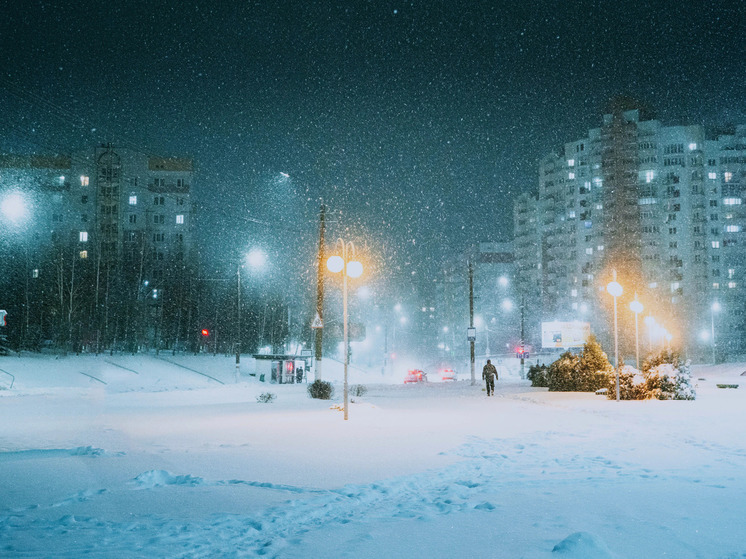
(488, 371)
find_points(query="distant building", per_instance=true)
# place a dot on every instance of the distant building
(497, 305)
(660, 205)
(108, 247)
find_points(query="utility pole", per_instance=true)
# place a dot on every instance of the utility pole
(523, 339)
(320, 296)
(472, 334)
(238, 317)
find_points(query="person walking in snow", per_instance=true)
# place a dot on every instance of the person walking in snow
(489, 374)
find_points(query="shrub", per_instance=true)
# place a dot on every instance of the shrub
(663, 377)
(593, 367)
(561, 373)
(631, 384)
(537, 374)
(265, 398)
(584, 372)
(321, 390)
(358, 390)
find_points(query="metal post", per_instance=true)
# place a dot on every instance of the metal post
(523, 340)
(471, 320)
(637, 341)
(238, 312)
(712, 332)
(319, 334)
(344, 304)
(616, 349)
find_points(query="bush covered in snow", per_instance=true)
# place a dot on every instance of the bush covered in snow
(663, 377)
(321, 390)
(358, 390)
(537, 374)
(265, 398)
(584, 372)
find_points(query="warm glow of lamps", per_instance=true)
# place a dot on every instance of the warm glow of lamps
(354, 269)
(614, 288)
(335, 263)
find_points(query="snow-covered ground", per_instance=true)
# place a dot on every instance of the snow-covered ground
(134, 456)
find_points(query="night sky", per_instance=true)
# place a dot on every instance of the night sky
(417, 122)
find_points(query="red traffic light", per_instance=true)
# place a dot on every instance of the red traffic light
(205, 332)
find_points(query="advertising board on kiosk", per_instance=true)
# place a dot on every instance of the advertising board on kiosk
(564, 334)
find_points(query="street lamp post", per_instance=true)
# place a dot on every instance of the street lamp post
(715, 307)
(636, 307)
(615, 290)
(238, 317)
(353, 269)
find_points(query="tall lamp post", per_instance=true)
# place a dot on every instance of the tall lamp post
(349, 268)
(636, 308)
(615, 290)
(715, 307)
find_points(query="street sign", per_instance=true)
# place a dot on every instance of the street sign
(471, 334)
(317, 323)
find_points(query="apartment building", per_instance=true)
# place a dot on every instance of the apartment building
(108, 247)
(660, 207)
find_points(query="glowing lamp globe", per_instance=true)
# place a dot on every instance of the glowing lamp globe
(614, 288)
(635, 306)
(354, 269)
(335, 264)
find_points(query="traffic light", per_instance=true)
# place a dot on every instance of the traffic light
(205, 332)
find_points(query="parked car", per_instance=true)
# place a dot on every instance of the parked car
(415, 375)
(447, 375)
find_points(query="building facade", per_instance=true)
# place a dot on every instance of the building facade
(105, 257)
(660, 207)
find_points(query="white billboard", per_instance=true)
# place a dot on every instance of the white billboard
(564, 334)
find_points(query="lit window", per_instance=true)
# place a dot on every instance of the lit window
(732, 202)
(599, 206)
(571, 163)
(133, 200)
(731, 285)
(600, 247)
(692, 147)
(712, 175)
(598, 181)
(649, 175)
(83, 180)
(589, 250)
(716, 285)
(728, 176)
(84, 254)
(587, 184)
(715, 244)
(571, 175)
(571, 214)
(35, 273)
(731, 273)
(83, 237)
(653, 285)
(180, 218)
(733, 228)
(674, 286)
(574, 293)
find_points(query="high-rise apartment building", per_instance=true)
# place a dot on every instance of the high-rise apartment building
(107, 250)
(660, 206)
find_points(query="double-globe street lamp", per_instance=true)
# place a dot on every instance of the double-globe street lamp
(349, 267)
(615, 290)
